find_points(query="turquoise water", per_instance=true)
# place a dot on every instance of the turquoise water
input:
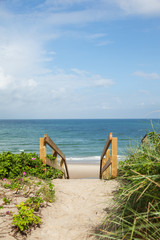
(80, 140)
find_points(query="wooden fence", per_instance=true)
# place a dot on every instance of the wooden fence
(55, 151)
(108, 161)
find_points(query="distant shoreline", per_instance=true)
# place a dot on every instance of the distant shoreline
(85, 170)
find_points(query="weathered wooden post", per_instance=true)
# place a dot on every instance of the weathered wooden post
(103, 164)
(62, 165)
(43, 150)
(108, 170)
(114, 158)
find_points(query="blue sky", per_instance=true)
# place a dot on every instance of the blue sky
(79, 59)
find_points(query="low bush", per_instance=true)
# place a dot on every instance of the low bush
(21, 172)
(26, 217)
(38, 194)
(25, 164)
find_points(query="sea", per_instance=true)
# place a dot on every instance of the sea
(81, 140)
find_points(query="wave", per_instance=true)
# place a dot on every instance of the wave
(84, 159)
(94, 159)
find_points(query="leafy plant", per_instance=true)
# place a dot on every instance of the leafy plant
(34, 202)
(25, 164)
(25, 218)
(6, 200)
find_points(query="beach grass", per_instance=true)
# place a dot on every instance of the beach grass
(136, 214)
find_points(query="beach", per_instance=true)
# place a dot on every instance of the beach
(85, 170)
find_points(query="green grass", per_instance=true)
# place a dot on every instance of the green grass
(136, 214)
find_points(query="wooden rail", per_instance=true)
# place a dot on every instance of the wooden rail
(55, 151)
(108, 161)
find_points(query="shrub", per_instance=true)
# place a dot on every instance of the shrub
(24, 164)
(25, 218)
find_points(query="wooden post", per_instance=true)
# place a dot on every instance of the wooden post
(55, 155)
(43, 150)
(62, 165)
(114, 158)
(106, 174)
(100, 170)
(108, 170)
(103, 163)
(53, 152)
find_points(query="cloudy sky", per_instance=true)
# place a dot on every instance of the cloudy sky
(79, 59)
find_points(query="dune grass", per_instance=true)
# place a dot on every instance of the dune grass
(136, 214)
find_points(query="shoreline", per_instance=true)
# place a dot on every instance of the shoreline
(83, 171)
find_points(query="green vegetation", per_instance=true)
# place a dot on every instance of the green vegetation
(47, 192)
(38, 194)
(25, 164)
(25, 217)
(136, 214)
(6, 201)
(26, 175)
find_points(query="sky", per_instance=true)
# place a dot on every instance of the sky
(79, 59)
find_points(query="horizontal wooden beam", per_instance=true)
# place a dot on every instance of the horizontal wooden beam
(54, 165)
(108, 142)
(49, 141)
(108, 163)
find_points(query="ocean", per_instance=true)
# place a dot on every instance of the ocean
(80, 140)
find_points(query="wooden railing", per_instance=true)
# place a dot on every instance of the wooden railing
(55, 151)
(108, 161)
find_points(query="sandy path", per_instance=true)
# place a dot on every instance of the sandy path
(78, 208)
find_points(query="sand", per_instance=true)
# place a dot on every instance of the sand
(78, 209)
(77, 170)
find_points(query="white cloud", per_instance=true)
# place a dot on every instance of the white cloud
(147, 7)
(141, 104)
(144, 7)
(28, 62)
(96, 36)
(5, 80)
(145, 92)
(63, 12)
(59, 93)
(76, 78)
(77, 17)
(91, 10)
(104, 43)
(151, 76)
(106, 107)
(52, 53)
(101, 82)
(31, 83)
(19, 56)
(80, 72)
